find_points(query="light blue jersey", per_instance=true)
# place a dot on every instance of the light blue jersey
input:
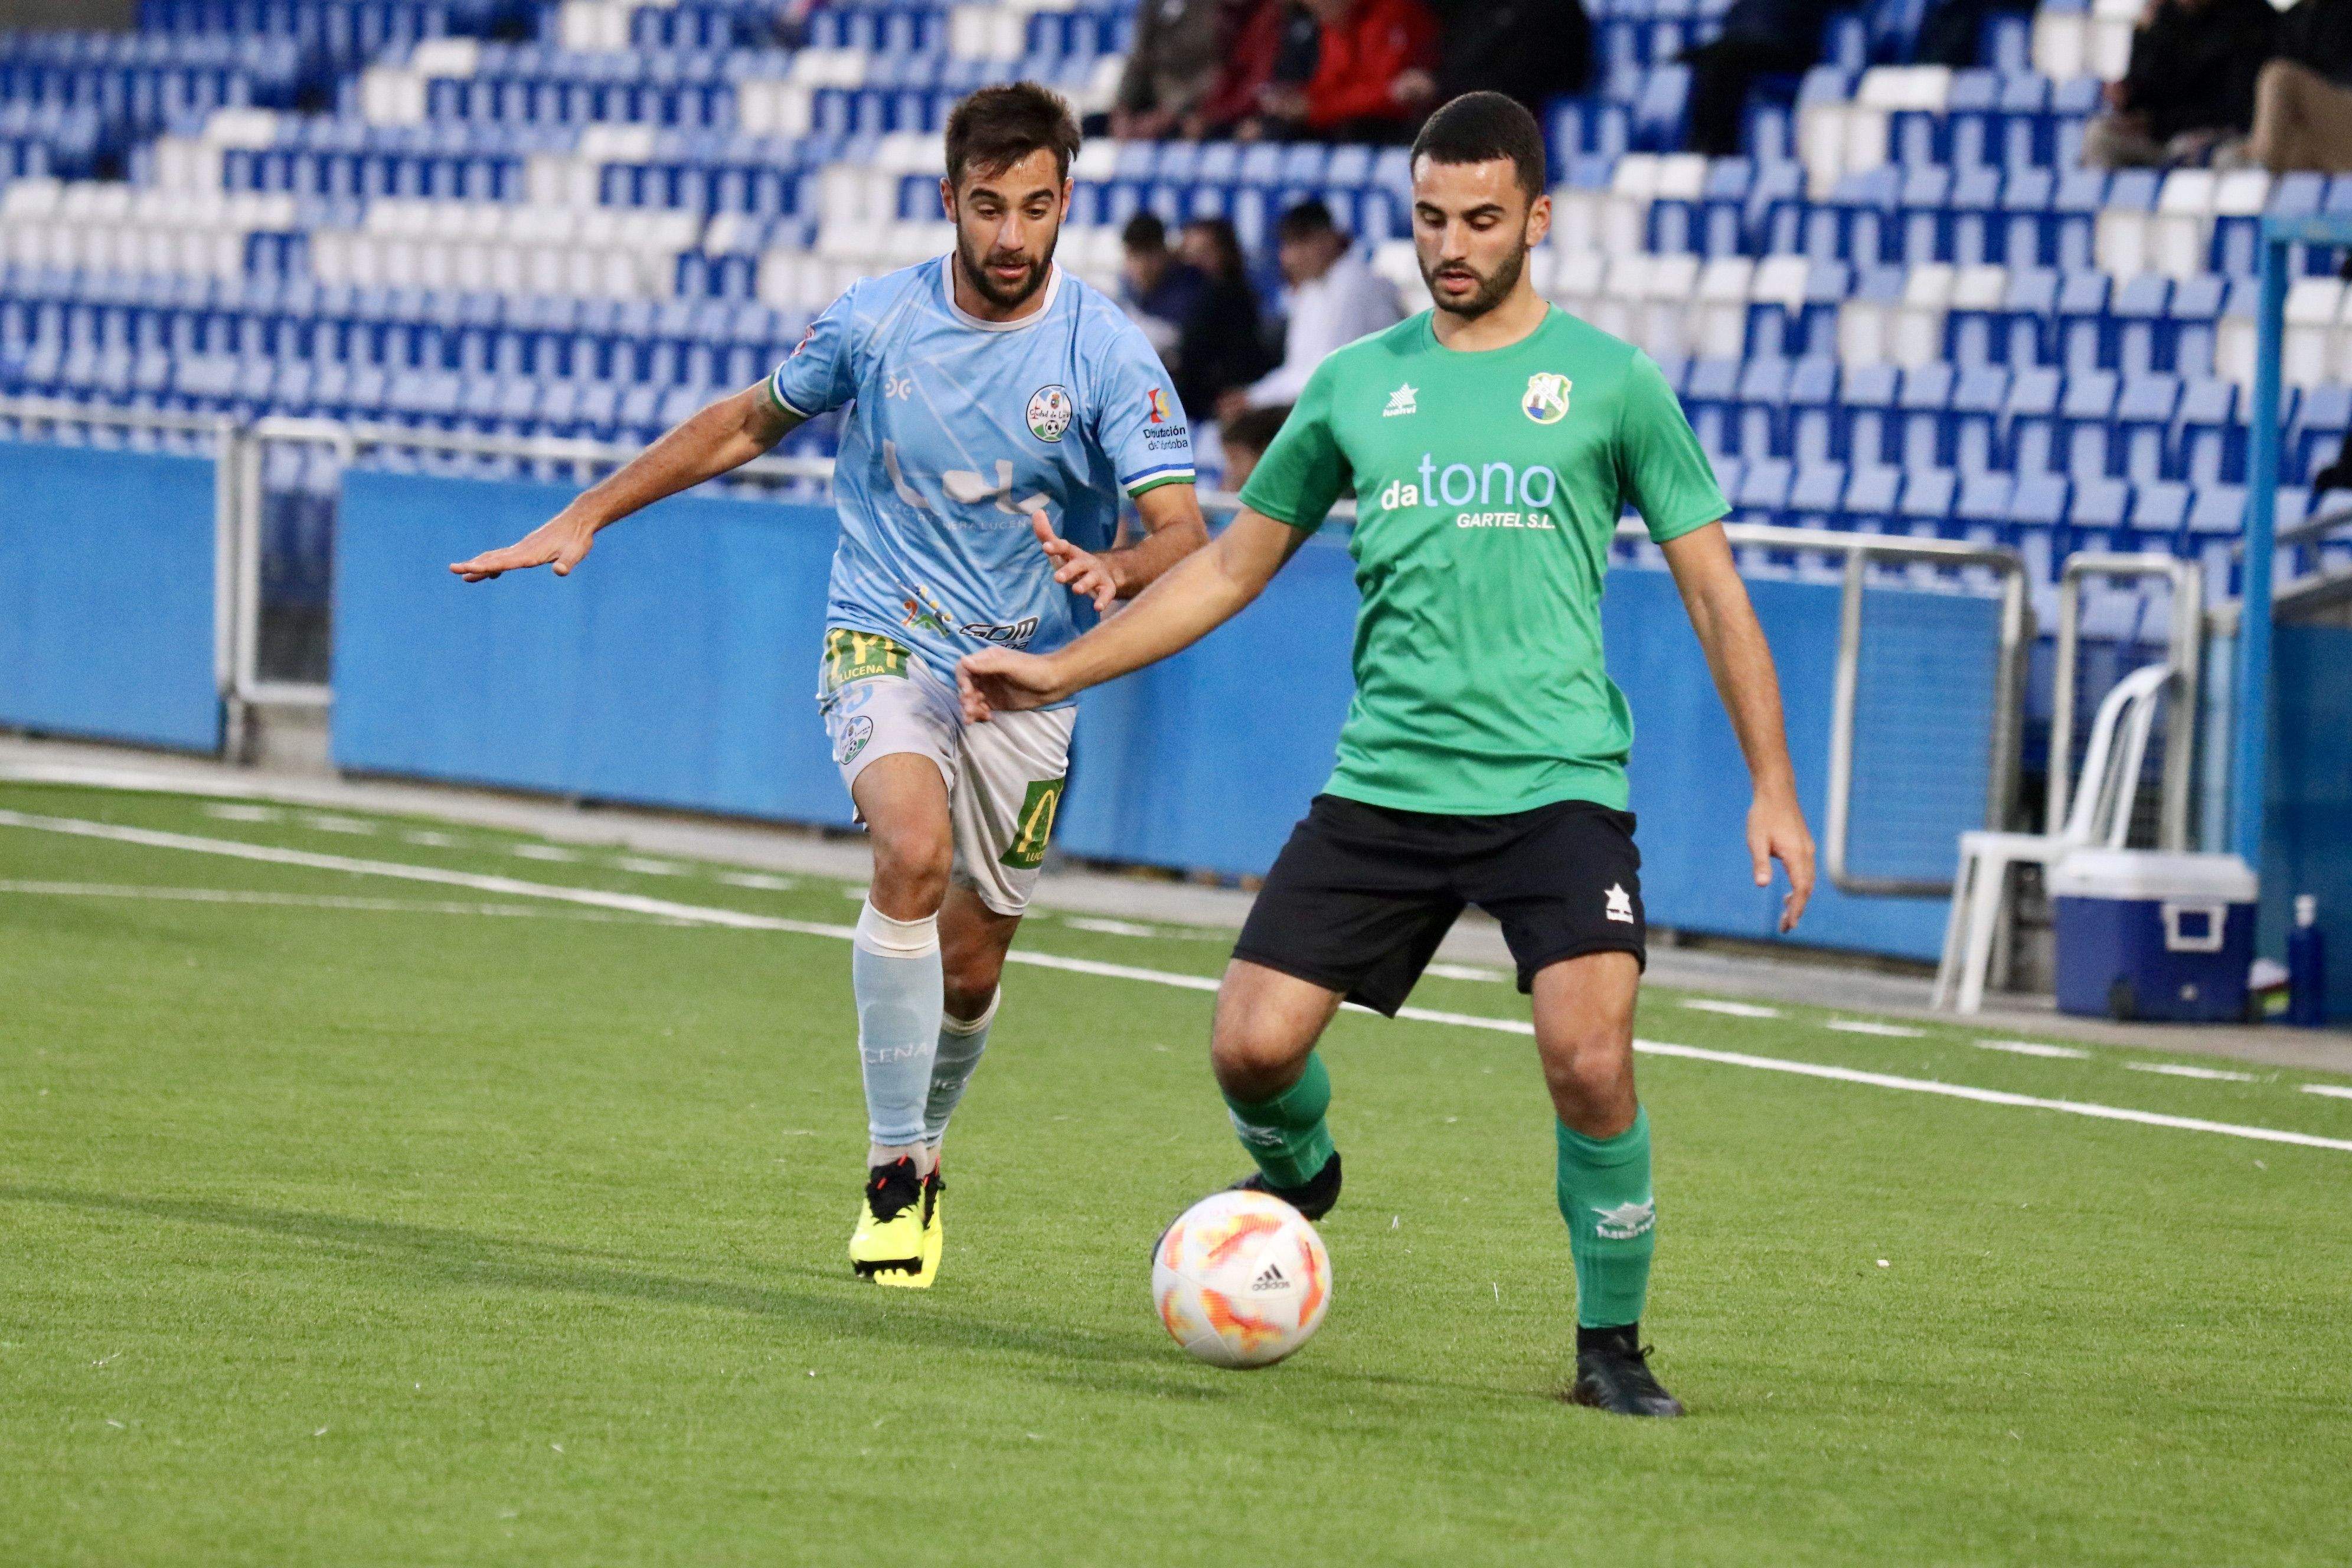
(959, 428)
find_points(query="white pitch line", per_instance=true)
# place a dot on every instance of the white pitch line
(1107, 927)
(1865, 1027)
(300, 900)
(1463, 972)
(736, 919)
(2035, 1048)
(2210, 1075)
(1730, 1009)
(2333, 1090)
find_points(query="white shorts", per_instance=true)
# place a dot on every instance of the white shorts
(1004, 778)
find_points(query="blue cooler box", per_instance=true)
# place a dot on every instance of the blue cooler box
(2146, 934)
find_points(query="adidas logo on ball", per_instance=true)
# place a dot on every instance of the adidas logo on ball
(1270, 1277)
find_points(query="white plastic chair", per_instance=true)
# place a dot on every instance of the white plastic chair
(2100, 813)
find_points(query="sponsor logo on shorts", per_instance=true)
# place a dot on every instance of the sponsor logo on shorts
(1546, 400)
(1621, 904)
(852, 655)
(1034, 825)
(854, 736)
(1049, 412)
(1626, 1221)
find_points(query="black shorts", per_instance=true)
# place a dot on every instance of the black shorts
(1361, 895)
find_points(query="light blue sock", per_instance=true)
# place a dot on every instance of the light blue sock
(895, 970)
(959, 1053)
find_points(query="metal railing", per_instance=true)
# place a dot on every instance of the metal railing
(1860, 550)
(227, 499)
(248, 685)
(238, 578)
(2184, 658)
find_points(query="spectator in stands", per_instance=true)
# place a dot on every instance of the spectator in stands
(1262, 84)
(2303, 99)
(1246, 436)
(2190, 83)
(1374, 70)
(1532, 50)
(1952, 32)
(1162, 291)
(1171, 67)
(1335, 298)
(1760, 37)
(1223, 344)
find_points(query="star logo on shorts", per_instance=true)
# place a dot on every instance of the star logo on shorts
(1400, 402)
(1621, 904)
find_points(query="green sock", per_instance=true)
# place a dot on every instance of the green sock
(1604, 1195)
(1287, 1135)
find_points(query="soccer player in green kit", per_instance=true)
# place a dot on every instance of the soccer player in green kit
(1492, 443)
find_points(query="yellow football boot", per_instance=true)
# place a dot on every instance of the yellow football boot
(934, 1240)
(887, 1244)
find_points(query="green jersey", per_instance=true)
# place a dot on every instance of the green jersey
(1489, 485)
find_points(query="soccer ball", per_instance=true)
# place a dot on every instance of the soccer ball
(1241, 1280)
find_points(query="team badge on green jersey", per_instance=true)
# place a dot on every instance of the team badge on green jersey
(1546, 402)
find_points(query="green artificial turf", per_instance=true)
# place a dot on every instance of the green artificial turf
(344, 1235)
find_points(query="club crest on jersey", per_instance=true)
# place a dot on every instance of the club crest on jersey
(1049, 413)
(1157, 401)
(1546, 402)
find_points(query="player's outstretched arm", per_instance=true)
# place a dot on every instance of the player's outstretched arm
(721, 437)
(1741, 661)
(1199, 594)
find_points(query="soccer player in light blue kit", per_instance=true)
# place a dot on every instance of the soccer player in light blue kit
(992, 396)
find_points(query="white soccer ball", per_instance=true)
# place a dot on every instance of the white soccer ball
(1242, 1280)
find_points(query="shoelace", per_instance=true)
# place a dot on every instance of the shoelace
(891, 1188)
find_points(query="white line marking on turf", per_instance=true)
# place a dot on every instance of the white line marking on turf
(2033, 1048)
(543, 852)
(644, 867)
(1731, 1009)
(326, 822)
(230, 811)
(1107, 927)
(597, 897)
(1462, 971)
(2333, 1090)
(1865, 1026)
(2211, 1075)
(302, 900)
(759, 881)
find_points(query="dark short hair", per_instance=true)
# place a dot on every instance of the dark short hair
(1479, 127)
(997, 127)
(1144, 231)
(1307, 219)
(1255, 428)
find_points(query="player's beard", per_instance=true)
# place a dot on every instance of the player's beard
(1493, 288)
(975, 271)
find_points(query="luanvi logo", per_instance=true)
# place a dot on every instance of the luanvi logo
(1626, 1221)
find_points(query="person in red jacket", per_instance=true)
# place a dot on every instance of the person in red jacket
(1371, 48)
